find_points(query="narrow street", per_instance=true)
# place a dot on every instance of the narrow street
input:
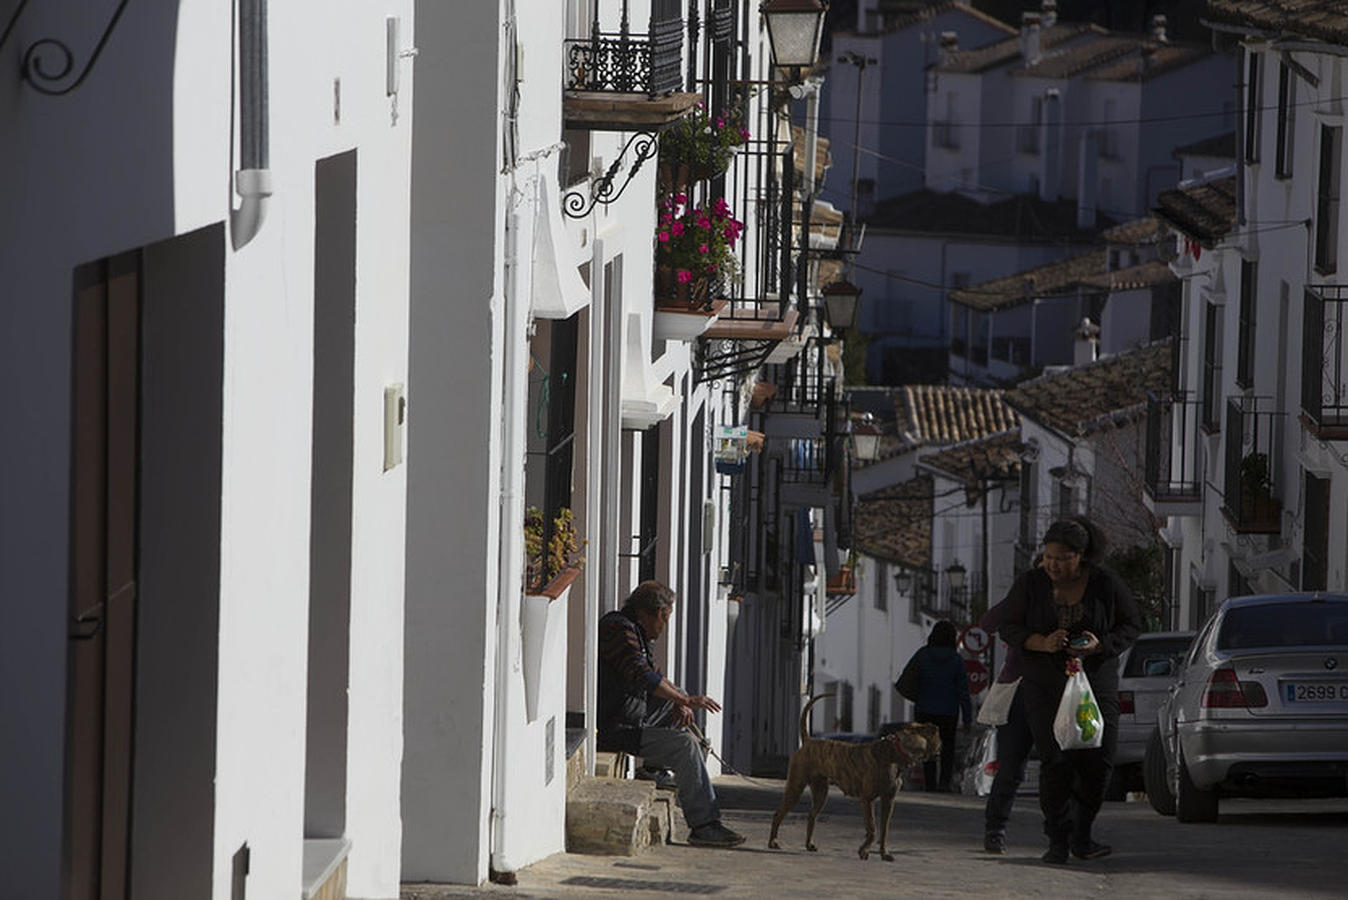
(1259, 848)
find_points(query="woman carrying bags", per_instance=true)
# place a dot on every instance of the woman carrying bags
(1070, 606)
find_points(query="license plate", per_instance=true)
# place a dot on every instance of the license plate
(1315, 692)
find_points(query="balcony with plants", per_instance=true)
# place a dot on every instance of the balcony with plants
(1172, 475)
(626, 80)
(1251, 503)
(1324, 373)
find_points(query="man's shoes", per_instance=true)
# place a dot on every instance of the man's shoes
(662, 777)
(1091, 850)
(714, 834)
(1056, 854)
(994, 842)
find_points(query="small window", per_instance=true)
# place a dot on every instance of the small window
(1286, 120)
(1327, 201)
(1252, 108)
(1212, 368)
(1249, 272)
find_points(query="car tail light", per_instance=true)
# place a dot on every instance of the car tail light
(1223, 691)
(1126, 702)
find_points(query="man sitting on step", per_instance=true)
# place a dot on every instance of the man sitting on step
(628, 682)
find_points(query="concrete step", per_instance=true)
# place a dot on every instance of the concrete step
(620, 817)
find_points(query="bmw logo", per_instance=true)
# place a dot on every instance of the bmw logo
(1331, 663)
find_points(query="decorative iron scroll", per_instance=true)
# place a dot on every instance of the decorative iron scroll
(627, 63)
(18, 11)
(575, 204)
(43, 80)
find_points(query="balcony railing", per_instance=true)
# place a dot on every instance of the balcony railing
(1324, 373)
(623, 62)
(1171, 473)
(1250, 502)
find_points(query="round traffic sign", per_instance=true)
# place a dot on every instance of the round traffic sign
(975, 639)
(978, 675)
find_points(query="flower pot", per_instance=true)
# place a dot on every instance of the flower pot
(669, 291)
(674, 175)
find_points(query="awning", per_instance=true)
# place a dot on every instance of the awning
(558, 290)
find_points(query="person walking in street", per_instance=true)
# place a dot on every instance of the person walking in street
(1071, 606)
(942, 696)
(628, 721)
(1014, 743)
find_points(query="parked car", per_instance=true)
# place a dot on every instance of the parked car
(1260, 707)
(1146, 671)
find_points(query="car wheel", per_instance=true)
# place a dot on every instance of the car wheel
(1191, 803)
(1153, 776)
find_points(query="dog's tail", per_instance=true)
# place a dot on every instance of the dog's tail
(805, 717)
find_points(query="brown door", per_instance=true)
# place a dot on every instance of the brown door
(102, 602)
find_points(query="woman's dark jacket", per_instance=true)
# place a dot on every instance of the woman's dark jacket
(943, 686)
(627, 676)
(1108, 612)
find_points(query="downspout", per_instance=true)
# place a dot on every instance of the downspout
(514, 314)
(252, 181)
(595, 494)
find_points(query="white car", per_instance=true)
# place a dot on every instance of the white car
(1147, 669)
(1260, 707)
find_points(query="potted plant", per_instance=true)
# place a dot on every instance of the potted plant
(698, 147)
(562, 556)
(845, 582)
(695, 250)
(1256, 489)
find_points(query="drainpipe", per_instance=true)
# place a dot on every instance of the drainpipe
(595, 494)
(252, 181)
(514, 314)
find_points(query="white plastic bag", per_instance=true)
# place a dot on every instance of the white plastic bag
(998, 703)
(1078, 724)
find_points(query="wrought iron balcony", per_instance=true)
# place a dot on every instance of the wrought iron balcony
(1250, 502)
(1172, 476)
(625, 81)
(1324, 372)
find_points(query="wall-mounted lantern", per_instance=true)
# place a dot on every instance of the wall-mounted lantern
(794, 28)
(842, 301)
(954, 574)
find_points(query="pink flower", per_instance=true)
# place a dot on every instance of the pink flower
(677, 228)
(703, 221)
(729, 234)
(721, 207)
(711, 270)
(720, 123)
(680, 198)
(703, 249)
(744, 134)
(664, 237)
(666, 218)
(684, 276)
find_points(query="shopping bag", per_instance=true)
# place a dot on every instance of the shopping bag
(909, 680)
(998, 703)
(1078, 724)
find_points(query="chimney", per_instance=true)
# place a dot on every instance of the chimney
(1029, 37)
(1050, 13)
(949, 46)
(1158, 27)
(1085, 343)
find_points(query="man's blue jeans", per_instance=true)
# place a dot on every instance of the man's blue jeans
(673, 748)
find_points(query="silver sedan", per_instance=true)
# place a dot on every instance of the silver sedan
(1260, 707)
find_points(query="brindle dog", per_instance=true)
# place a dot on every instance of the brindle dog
(869, 772)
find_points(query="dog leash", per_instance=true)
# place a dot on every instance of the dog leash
(706, 745)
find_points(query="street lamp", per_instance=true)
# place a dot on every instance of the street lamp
(954, 573)
(903, 581)
(842, 301)
(794, 28)
(866, 439)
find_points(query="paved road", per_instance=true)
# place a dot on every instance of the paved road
(1259, 848)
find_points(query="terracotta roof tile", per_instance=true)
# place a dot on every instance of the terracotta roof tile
(944, 414)
(1024, 287)
(1147, 274)
(1204, 212)
(995, 457)
(1139, 231)
(1327, 21)
(1092, 397)
(895, 523)
(900, 14)
(1007, 51)
(1153, 59)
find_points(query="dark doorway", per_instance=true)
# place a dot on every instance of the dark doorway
(330, 495)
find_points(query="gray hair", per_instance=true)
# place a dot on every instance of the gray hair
(651, 596)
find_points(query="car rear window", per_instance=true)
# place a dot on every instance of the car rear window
(1284, 625)
(1149, 657)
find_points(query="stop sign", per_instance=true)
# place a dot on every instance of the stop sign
(978, 675)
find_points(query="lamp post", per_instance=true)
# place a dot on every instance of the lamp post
(903, 581)
(794, 29)
(861, 62)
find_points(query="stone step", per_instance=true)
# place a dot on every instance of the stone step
(620, 817)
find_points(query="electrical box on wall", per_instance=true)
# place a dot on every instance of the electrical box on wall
(395, 415)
